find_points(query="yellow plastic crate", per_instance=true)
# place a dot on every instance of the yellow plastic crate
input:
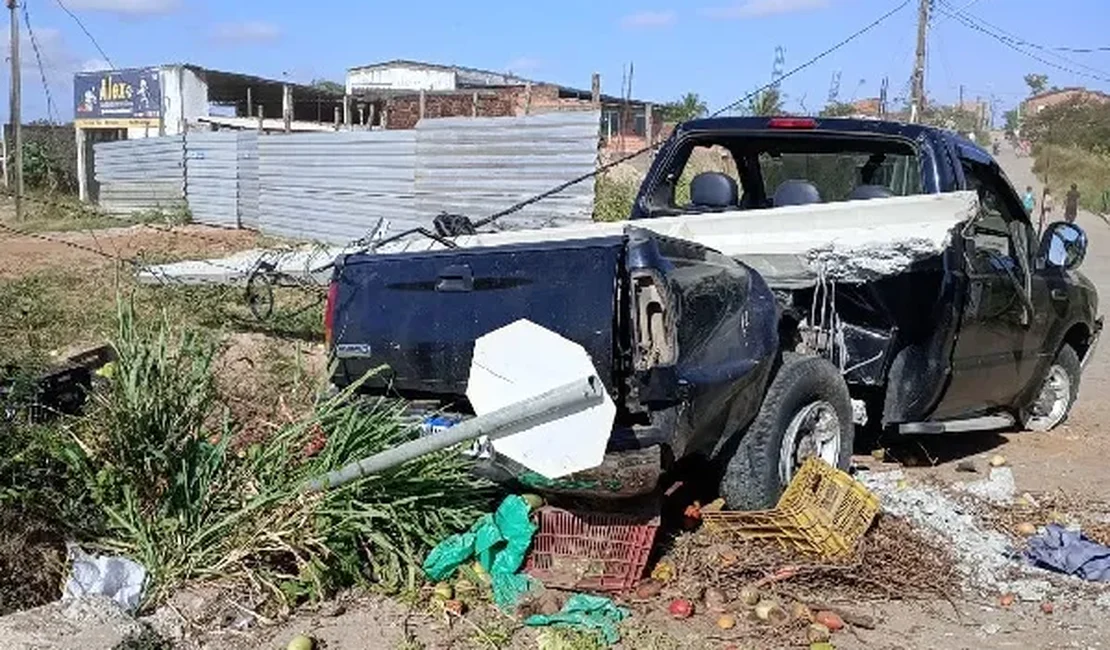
(824, 512)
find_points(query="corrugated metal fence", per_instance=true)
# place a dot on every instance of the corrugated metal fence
(336, 187)
(141, 175)
(478, 166)
(343, 186)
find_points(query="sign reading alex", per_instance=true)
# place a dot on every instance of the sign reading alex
(117, 98)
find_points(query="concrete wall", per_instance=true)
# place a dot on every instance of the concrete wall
(399, 77)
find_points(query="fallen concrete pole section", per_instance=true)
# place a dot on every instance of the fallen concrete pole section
(848, 241)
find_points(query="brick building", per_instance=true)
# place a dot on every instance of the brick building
(396, 94)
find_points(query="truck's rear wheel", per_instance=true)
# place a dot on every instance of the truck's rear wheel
(1054, 400)
(806, 412)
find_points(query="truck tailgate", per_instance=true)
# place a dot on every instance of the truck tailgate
(419, 313)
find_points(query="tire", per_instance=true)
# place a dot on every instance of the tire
(806, 387)
(1048, 410)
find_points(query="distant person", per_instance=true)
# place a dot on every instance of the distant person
(1047, 205)
(1029, 200)
(1071, 204)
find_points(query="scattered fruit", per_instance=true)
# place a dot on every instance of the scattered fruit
(663, 572)
(879, 454)
(301, 642)
(728, 559)
(817, 633)
(1025, 529)
(1006, 600)
(444, 591)
(726, 622)
(997, 460)
(1047, 607)
(749, 596)
(715, 601)
(648, 589)
(456, 607)
(464, 586)
(830, 620)
(801, 612)
(533, 500)
(824, 645)
(770, 611)
(480, 572)
(681, 608)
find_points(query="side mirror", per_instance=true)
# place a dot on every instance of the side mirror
(1063, 245)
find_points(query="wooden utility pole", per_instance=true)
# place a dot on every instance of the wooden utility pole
(917, 86)
(16, 112)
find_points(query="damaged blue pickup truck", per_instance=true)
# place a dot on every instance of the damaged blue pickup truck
(757, 353)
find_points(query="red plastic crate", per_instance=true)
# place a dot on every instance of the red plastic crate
(590, 551)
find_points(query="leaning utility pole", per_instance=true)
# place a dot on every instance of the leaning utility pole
(917, 85)
(16, 117)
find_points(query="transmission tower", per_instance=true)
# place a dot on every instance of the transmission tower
(777, 68)
(834, 87)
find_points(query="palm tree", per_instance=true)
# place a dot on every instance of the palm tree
(688, 107)
(769, 102)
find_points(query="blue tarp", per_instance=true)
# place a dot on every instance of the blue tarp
(1068, 551)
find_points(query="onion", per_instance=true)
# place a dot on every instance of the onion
(726, 622)
(301, 642)
(817, 633)
(830, 620)
(770, 611)
(681, 608)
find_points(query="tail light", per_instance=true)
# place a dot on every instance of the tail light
(654, 333)
(792, 123)
(329, 314)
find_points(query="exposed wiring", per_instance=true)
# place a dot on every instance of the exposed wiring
(51, 113)
(87, 33)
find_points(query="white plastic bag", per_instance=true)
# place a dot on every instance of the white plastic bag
(116, 577)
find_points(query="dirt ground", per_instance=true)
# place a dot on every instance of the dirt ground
(1068, 463)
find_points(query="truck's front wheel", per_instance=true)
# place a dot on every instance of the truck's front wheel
(806, 412)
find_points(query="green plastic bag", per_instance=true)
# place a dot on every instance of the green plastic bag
(584, 612)
(499, 542)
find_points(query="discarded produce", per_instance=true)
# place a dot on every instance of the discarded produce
(715, 601)
(997, 460)
(1047, 607)
(770, 611)
(726, 622)
(301, 642)
(456, 607)
(749, 596)
(464, 586)
(1006, 600)
(681, 608)
(648, 589)
(818, 633)
(1026, 529)
(801, 612)
(533, 500)
(444, 591)
(829, 619)
(663, 572)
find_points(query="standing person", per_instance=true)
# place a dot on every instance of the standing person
(1029, 200)
(1071, 204)
(1047, 205)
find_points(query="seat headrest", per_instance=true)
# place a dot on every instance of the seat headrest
(863, 192)
(713, 190)
(796, 192)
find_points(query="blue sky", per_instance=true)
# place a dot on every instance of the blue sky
(720, 49)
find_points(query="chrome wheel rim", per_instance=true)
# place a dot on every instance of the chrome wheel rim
(1051, 405)
(814, 431)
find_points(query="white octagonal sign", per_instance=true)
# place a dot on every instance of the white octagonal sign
(523, 360)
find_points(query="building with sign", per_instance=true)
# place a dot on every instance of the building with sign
(175, 99)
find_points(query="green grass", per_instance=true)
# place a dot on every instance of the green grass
(60, 212)
(1066, 165)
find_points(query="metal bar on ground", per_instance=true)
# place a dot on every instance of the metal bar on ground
(556, 403)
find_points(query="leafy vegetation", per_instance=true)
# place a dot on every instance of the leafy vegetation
(690, 106)
(1037, 83)
(157, 457)
(1072, 145)
(768, 102)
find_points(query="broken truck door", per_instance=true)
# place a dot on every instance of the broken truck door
(989, 360)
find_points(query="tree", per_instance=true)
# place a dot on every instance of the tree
(838, 109)
(1036, 82)
(329, 87)
(768, 102)
(1012, 123)
(688, 107)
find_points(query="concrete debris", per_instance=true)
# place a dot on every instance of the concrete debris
(89, 623)
(984, 556)
(869, 262)
(1103, 601)
(998, 488)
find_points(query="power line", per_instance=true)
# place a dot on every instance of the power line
(1014, 43)
(50, 112)
(87, 33)
(1077, 50)
(875, 23)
